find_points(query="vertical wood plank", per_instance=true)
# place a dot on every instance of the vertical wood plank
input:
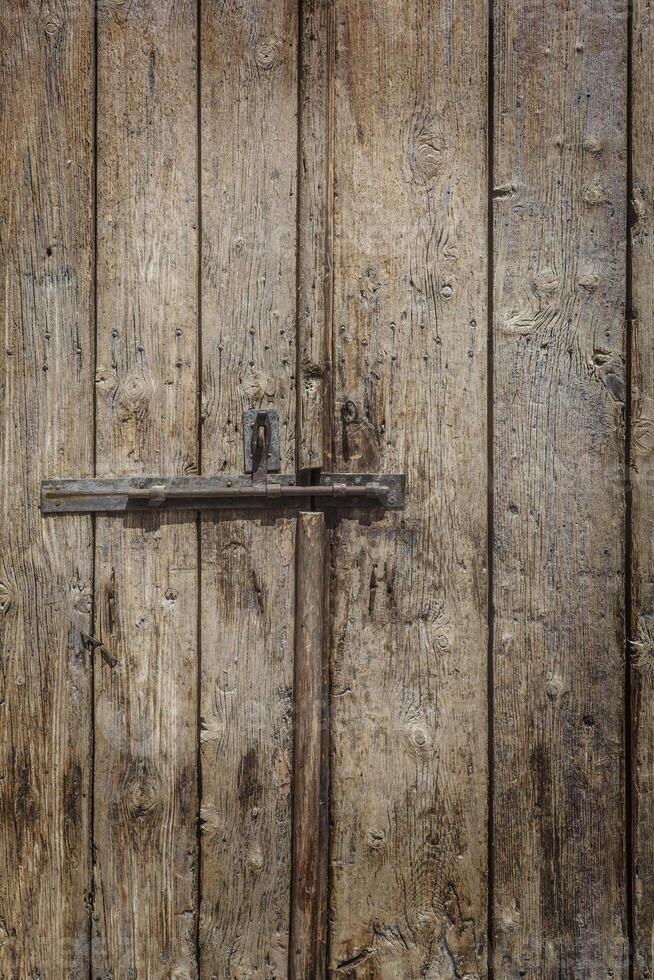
(641, 624)
(248, 605)
(559, 236)
(249, 179)
(146, 565)
(409, 635)
(309, 840)
(45, 565)
(315, 197)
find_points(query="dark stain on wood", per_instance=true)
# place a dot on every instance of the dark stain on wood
(249, 787)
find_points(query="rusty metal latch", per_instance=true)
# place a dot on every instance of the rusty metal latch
(262, 488)
(261, 442)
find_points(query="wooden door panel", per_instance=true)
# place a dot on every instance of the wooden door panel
(257, 745)
(146, 579)
(308, 938)
(409, 632)
(248, 607)
(248, 120)
(315, 243)
(46, 567)
(641, 612)
(559, 400)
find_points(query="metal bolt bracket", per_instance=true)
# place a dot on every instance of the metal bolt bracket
(338, 490)
(253, 419)
(262, 459)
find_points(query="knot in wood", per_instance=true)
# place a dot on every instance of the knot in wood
(267, 53)
(142, 791)
(426, 148)
(52, 21)
(5, 598)
(133, 397)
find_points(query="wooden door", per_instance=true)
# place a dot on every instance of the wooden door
(361, 745)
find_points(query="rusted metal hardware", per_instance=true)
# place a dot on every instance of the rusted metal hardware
(261, 441)
(218, 493)
(261, 489)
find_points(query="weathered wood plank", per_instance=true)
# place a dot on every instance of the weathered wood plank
(47, 431)
(641, 623)
(322, 865)
(409, 637)
(145, 774)
(146, 566)
(309, 839)
(315, 197)
(249, 178)
(248, 601)
(559, 242)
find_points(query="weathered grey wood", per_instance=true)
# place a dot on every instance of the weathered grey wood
(249, 177)
(559, 244)
(45, 566)
(145, 776)
(322, 864)
(249, 164)
(146, 566)
(641, 614)
(248, 598)
(315, 197)
(409, 636)
(309, 840)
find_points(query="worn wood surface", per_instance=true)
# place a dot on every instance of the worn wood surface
(248, 599)
(145, 788)
(309, 841)
(559, 403)
(47, 429)
(409, 637)
(248, 175)
(321, 248)
(315, 200)
(641, 614)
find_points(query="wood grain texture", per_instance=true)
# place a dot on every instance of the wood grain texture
(559, 391)
(409, 634)
(249, 178)
(146, 566)
(315, 197)
(309, 840)
(641, 624)
(248, 600)
(45, 565)
(145, 775)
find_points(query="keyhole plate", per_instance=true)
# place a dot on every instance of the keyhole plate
(250, 419)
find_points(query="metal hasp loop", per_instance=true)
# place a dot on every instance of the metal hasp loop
(260, 489)
(260, 441)
(253, 420)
